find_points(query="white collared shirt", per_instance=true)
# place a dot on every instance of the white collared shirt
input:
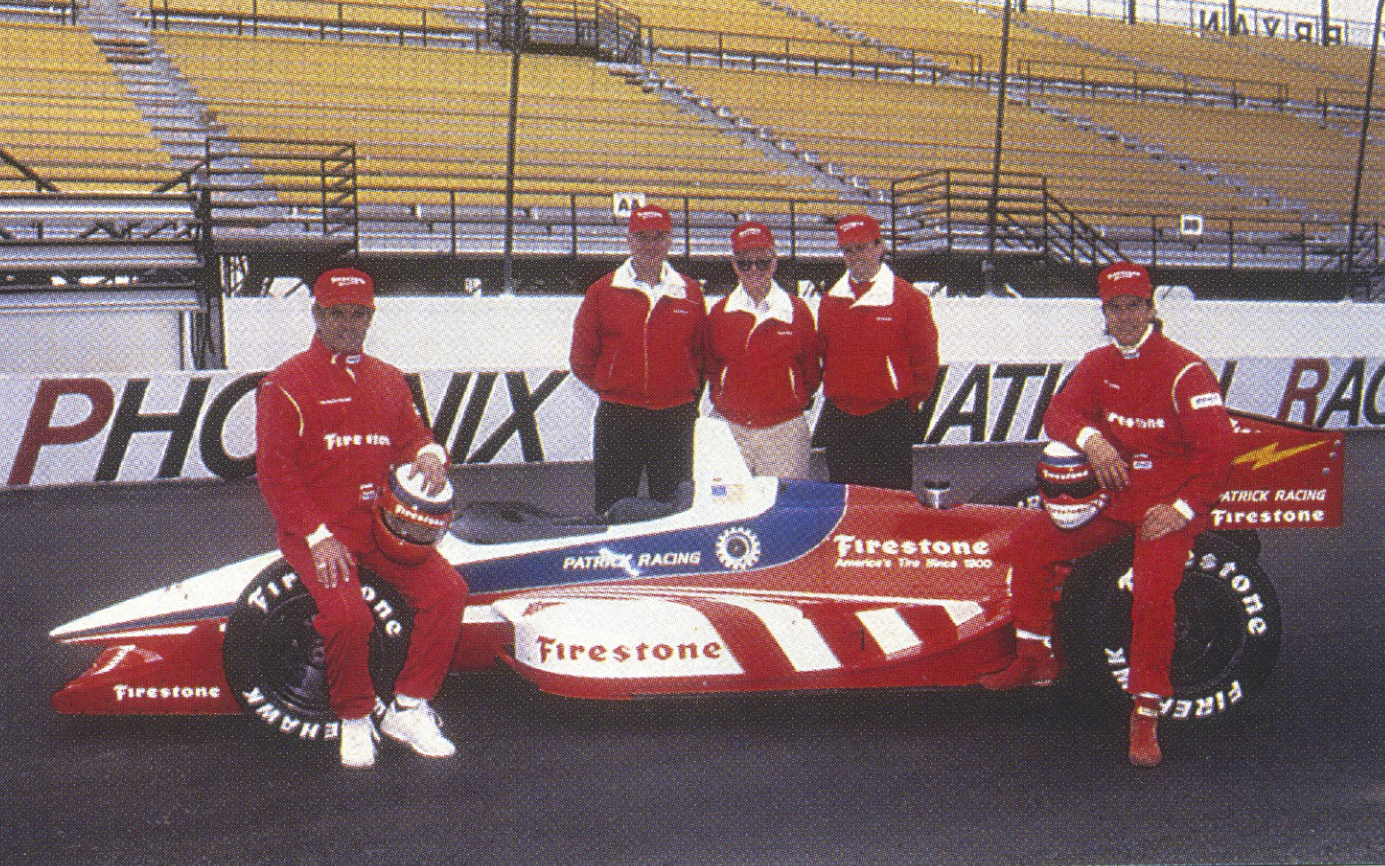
(670, 283)
(778, 305)
(880, 293)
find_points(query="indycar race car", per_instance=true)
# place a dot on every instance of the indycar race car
(745, 584)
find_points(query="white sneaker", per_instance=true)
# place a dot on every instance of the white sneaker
(358, 738)
(419, 728)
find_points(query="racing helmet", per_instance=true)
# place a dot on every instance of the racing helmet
(1069, 489)
(409, 521)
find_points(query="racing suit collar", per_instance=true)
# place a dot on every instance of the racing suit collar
(780, 304)
(320, 352)
(880, 293)
(1134, 351)
(670, 283)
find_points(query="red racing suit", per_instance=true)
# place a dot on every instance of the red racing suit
(641, 345)
(763, 368)
(878, 348)
(1161, 408)
(328, 429)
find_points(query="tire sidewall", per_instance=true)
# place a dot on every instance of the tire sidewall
(288, 696)
(1228, 631)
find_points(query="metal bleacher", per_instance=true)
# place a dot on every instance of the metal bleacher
(378, 129)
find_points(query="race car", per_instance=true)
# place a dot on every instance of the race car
(746, 584)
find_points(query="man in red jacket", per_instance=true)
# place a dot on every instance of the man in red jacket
(1148, 415)
(879, 363)
(331, 422)
(762, 360)
(638, 343)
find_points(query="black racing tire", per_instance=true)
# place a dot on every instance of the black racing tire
(273, 657)
(1228, 628)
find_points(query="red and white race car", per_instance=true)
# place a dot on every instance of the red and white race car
(747, 584)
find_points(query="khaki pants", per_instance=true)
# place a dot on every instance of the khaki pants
(781, 451)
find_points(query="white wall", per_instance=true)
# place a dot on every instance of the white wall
(516, 333)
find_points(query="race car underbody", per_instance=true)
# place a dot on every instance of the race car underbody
(746, 584)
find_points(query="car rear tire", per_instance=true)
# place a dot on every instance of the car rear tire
(1227, 631)
(273, 657)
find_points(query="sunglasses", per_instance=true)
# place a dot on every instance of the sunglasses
(754, 264)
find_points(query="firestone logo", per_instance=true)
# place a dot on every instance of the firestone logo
(1116, 276)
(347, 280)
(165, 693)
(336, 440)
(1136, 423)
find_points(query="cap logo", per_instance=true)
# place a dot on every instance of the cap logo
(348, 281)
(1122, 275)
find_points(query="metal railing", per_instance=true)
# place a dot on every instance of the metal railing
(468, 220)
(322, 19)
(1094, 78)
(816, 55)
(951, 208)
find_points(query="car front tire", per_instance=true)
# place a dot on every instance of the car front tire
(273, 656)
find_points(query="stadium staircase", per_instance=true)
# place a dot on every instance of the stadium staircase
(179, 118)
(779, 148)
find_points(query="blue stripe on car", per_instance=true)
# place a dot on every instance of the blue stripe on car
(803, 515)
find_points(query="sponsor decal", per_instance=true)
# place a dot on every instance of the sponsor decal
(1278, 517)
(1271, 453)
(1206, 401)
(164, 693)
(629, 562)
(857, 552)
(1136, 423)
(553, 649)
(337, 440)
(1117, 276)
(1300, 494)
(738, 548)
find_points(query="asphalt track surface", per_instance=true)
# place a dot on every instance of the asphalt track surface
(881, 778)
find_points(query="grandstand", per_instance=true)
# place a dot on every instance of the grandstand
(205, 145)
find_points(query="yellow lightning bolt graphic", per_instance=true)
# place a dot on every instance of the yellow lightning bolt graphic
(1267, 454)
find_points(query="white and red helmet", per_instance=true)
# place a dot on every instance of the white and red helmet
(1068, 487)
(409, 521)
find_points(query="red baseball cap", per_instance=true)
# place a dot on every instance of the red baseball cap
(857, 228)
(1124, 278)
(650, 218)
(344, 286)
(751, 236)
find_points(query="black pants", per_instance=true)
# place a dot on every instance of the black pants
(628, 440)
(876, 450)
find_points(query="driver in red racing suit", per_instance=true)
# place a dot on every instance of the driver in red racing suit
(1148, 415)
(330, 424)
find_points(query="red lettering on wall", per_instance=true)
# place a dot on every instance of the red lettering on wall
(40, 430)
(1295, 391)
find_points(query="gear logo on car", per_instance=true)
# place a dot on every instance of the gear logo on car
(738, 548)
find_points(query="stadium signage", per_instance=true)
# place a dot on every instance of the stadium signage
(72, 430)
(1272, 25)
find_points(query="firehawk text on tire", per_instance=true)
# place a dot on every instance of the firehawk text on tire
(1227, 631)
(273, 656)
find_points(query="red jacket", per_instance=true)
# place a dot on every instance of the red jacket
(877, 349)
(1162, 410)
(763, 368)
(328, 428)
(638, 344)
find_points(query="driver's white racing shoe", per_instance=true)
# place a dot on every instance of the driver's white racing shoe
(418, 727)
(358, 738)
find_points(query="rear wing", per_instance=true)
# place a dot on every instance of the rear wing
(1284, 475)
